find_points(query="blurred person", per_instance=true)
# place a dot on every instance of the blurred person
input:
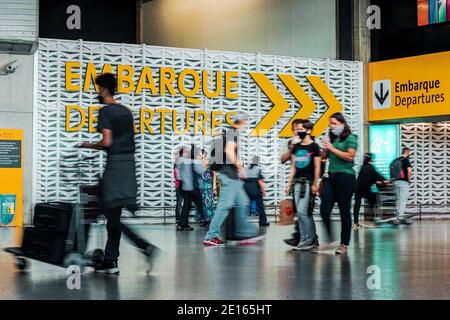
(191, 170)
(401, 174)
(207, 189)
(304, 178)
(255, 188)
(232, 193)
(341, 182)
(368, 176)
(118, 183)
(178, 190)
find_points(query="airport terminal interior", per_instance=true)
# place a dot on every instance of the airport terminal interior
(225, 150)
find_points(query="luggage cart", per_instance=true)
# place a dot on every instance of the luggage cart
(384, 211)
(84, 212)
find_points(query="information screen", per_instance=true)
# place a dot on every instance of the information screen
(384, 144)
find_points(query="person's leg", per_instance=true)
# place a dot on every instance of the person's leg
(372, 199)
(198, 202)
(397, 197)
(326, 206)
(261, 210)
(114, 230)
(184, 216)
(179, 204)
(306, 222)
(357, 207)
(345, 188)
(403, 195)
(243, 227)
(225, 202)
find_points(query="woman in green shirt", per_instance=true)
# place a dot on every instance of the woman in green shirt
(341, 183)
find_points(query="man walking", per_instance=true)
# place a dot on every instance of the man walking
(118, 185)
(232, 193)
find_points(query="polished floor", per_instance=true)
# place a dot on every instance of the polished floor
(413, 263)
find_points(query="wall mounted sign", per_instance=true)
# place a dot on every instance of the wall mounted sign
(11, 177)
(410, 89)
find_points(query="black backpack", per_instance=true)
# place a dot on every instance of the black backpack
(217, 159)
(396, 169)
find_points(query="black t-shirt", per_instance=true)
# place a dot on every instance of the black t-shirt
(231, 136)
(304, 159)
(119, 120)
(405, 165)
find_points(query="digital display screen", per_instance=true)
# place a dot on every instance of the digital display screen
(432, 11)
(384, 144)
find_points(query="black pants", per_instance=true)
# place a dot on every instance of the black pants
(254, 193)
(371, 197)
(188, 197)
(339, 188)
(179, 195)
(115, 228)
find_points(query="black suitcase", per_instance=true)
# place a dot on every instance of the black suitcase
(53, 217)
(43, 246)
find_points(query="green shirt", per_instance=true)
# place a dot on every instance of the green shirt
(340, 165)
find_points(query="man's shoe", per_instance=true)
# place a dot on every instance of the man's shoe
(306, 246)
(264, 224)
(151, 253)
(292, 242)
(251, 240)
(108, 267)
(215, 242)
(188, 228)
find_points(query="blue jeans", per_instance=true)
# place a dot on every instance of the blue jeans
(306, 223)
(232, 194)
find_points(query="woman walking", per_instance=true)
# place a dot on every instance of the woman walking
(340, 185)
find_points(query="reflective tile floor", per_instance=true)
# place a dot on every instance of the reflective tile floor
(412, 262)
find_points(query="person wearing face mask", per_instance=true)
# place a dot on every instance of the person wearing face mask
(401, 180)
(304, 178)
(341, 183)
(118, 184)
(294, 240)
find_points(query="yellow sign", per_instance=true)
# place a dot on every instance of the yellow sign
(225, 84)
(410, 88)
(11, 177)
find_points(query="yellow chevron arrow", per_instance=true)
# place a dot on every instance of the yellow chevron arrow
(280, 105)
(330, 100)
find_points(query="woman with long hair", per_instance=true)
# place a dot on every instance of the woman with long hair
(341, 183)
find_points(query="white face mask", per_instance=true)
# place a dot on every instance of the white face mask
(337, 131)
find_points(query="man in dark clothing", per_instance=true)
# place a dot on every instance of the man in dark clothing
(118, 185)
(367, 177)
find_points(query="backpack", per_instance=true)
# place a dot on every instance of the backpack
(216, 160)
(396, 169)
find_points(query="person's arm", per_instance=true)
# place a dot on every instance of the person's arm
(230, 151)
(286, 156)
(409, 174)
(262, 186)
(291, 176)
(347, 155)
(103, 144)
(317, 165)
(378, 177)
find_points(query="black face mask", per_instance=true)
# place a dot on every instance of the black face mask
(302, 135)
(100, 99)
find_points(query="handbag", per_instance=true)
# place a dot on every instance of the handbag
(286, 216)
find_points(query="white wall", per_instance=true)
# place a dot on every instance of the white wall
(16, 112)
(305, 28)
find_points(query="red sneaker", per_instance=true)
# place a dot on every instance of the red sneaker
(213, 242)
